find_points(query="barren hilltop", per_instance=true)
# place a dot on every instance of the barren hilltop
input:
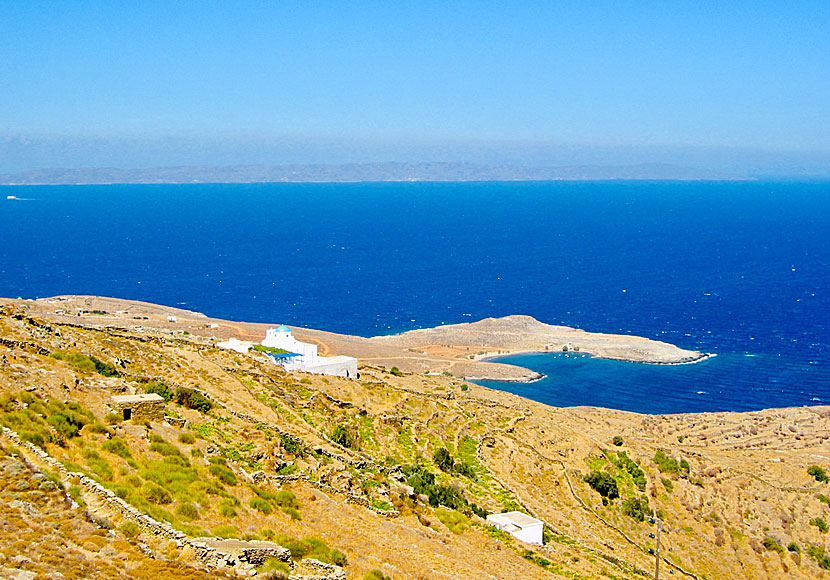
(249, 470)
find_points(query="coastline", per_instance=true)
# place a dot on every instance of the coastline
(464, 350)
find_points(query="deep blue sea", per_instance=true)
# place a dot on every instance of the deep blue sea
(740, 269)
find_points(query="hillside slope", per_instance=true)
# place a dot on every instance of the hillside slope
(343, 471)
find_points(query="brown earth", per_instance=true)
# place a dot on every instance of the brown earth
(745, 492)
(457, 348)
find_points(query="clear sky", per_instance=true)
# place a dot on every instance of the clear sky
(163, 83)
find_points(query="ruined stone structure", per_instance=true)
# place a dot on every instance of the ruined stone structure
(144, 407)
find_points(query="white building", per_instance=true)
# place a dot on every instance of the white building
(236, 345)
(303, 356)
(519, 525)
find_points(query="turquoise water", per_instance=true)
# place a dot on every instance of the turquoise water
(737, 269)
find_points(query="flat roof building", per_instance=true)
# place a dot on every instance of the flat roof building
(519, 525)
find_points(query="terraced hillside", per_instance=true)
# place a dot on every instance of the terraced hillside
(388, 475)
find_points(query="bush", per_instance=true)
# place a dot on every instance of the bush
(395, 371)
(118, 447)
(112, 418)
(818, 473)
(771, 544)
(129, 529)
(817, 553)
(604, 484)
(67, 423)
(376, 575)
(793, 547)
(344, 436)
(423, 482)
(623, 461)
(223, 474)
(192, 399)
(443, 459)
(820, 524)
(188, 511)
(667, 483)
(187, 438)
(617, 441)
(227, 510)
(286, 499)
(637, 508)
(157, 494)
(455, 521)
(161, 389)
(445, 462)
(665, 463)
(86, 364)
(261, 505)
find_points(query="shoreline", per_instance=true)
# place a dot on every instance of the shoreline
(465, 350)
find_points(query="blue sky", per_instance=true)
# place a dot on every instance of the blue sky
(167, 83)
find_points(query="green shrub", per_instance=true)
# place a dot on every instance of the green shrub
(261, 505)
(67, 423)
(617, 441)
(395, 371)
(667, 483)
(187, 438)
(823, 499)
(118, 447)
(293, 513)
(86, 364)
(156, 494)
(817, 553)
(603, 483)
(445, 462)
(637, 508)
(227, 510)
(291, 445)
(455, 521)
(112, 418)
(187, 510)
(793, 547)
(192, 399)
(423, 482)
(376, 575)
(286, 499)
(820, 524)
(623, 461)
(345, 436)
(771, 544)
(225, 531)
(160, 389)
(129, 529)
(223, 474)
(818, 473)
(665, 463)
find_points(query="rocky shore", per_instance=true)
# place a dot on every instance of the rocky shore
(462, 350)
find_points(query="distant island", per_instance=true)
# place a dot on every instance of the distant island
(361, 172)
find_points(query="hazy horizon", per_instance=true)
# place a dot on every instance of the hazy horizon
(742, 87)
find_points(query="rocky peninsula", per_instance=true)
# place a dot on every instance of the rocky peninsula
(462, 350)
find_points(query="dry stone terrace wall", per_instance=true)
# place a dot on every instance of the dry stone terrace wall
(249, 553)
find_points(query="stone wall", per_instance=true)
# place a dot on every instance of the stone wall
(103, 503)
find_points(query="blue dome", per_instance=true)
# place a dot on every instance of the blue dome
(283, 328)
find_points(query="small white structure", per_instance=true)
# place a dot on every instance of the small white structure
(172, 319)
(519, 525)
(303, 356)
(236, 345)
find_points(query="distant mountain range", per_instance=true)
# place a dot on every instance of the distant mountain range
(357, 172)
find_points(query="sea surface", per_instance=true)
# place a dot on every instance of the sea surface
(739, 269)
